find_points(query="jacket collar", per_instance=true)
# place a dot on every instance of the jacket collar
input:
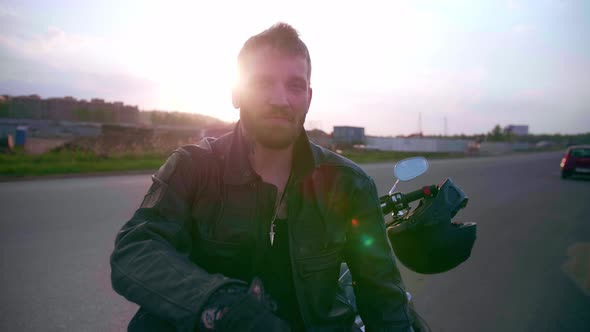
(239, 171)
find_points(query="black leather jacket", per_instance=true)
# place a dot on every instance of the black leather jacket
(207, 212)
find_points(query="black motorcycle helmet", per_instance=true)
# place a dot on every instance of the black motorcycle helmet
(426, 241)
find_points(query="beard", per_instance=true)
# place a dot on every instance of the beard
(269, 136)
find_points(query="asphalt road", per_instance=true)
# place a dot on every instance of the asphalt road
(529, 269)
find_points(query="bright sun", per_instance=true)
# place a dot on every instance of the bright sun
(191, 61)
(204, 91)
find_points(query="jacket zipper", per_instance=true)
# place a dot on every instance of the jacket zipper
(298, 295)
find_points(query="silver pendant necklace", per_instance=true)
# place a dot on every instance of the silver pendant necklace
(271, 233)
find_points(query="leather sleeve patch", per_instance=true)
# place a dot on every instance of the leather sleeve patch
(167, 169)
(160, 182)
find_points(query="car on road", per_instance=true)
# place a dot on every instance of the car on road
(575, 161)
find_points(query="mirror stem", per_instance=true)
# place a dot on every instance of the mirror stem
(393, 188)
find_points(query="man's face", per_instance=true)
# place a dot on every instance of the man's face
(273, 96)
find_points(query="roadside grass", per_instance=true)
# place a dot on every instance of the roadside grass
(19, 164)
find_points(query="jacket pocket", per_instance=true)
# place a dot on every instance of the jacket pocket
(325, 264)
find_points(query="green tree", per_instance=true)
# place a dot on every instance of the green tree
(496, 135)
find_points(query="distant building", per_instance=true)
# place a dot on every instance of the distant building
(419, 144)
(517, 130)
(320, 138)
(67, 109)
(344, 135)
(49, 128)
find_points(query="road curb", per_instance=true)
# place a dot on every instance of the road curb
(4, 178)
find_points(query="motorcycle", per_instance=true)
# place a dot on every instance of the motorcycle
(424, 239)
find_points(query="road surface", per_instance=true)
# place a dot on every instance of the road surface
(56, 237)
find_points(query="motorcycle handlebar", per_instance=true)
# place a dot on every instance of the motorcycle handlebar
(399, 201)
(426, 191)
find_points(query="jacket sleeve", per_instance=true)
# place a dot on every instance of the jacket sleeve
(150, 264)
(379, 291)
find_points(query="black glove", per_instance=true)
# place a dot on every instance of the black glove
(236, 308)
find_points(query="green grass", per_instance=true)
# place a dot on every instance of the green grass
(71, 162)
(19, 164)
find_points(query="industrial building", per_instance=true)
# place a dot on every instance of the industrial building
(344, 135)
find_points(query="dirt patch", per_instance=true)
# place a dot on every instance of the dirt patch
(36, 145)
(130, 143)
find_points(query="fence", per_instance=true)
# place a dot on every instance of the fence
(416, 144)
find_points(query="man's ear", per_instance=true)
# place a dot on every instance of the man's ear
(309, 100)
(236, 97)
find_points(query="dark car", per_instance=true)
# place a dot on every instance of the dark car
(576, 161)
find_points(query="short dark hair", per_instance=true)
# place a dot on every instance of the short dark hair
(280, 36)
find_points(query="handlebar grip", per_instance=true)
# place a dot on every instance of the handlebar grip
(399, 201)
(415, 195)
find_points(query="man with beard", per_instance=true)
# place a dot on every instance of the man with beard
(247, 232)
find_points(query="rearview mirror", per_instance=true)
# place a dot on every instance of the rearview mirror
(410, 168)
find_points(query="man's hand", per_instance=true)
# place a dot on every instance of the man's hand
(237, 308)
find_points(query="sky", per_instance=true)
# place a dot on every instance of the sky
(393, 67)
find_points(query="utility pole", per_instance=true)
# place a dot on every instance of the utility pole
(420, 123)
(446, 131)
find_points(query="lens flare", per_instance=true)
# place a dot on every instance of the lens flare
(366, 240)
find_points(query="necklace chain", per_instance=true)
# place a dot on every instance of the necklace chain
(271, 233)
